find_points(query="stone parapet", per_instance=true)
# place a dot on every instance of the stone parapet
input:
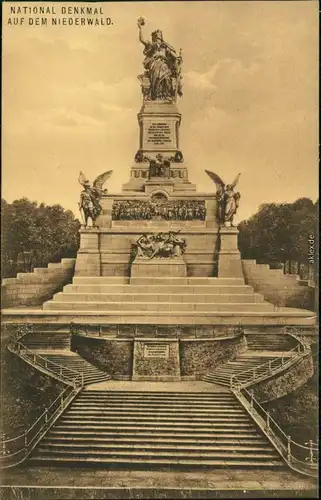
(280, 317)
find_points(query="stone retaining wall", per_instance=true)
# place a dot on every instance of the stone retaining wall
(114, 356)
(198, 357)
(190, 359)
(285, 382)
(32, 289)
(283, 290)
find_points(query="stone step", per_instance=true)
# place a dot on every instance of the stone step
(189, 280)
(164, 297)
(189, 412)
(142, 435)
(154, 447)
(156, 307)
(141, 422)
(54, 265)
(281, 316)
(42, 273)
(98, 461)
(170, 406)
(240, 370)
(270, 342)
(215, 379)
(32, 282)
(96, 380)
(113, 280)
(159, 429)
(157, 280)
(248, 362)
(43, 329)
(159, 289)
(146, 416)
(149, 395)
(228, 369)
(49, 341)
(52, 347)
(155, 402)
(141, 441)
(205, 455)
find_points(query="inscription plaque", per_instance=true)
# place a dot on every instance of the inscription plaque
(159, 134)
(156, 350)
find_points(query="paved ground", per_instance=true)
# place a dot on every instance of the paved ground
(210, 480)
(117, 385)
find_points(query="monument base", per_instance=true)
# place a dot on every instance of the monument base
(159, 267)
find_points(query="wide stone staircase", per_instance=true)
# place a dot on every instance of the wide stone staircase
(115, 428)
(121, 294)
(241, 363)
(75, 362)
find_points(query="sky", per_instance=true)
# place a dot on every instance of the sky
(250, 104)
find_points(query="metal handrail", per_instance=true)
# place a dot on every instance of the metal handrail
(301, 458)
(301, 349)
(297, 335)
(23, 444)
(28, 354)
(269, 368)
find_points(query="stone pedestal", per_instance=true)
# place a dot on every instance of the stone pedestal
(159, 123)
(159, 267)
(88, 256)
(156, 360)
(229, 260)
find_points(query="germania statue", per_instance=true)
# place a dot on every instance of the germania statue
(89, 204)
(162, 67)
(227, 199)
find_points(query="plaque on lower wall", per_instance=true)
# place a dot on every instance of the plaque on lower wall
(156, 350)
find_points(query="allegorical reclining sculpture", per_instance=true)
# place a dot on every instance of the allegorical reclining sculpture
(166, 245)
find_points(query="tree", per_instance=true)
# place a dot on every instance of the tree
(33, 236)
(279, 232)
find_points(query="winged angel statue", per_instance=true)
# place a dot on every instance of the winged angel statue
(227, 199)
(89, 205)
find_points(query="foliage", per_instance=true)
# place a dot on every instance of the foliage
(34, 235)
(297, 413)
(25, 392)
(279, 232)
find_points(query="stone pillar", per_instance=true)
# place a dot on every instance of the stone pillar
(211, 209)
(88, 256)
(105, 218)
(159, 128)
(229, 260)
